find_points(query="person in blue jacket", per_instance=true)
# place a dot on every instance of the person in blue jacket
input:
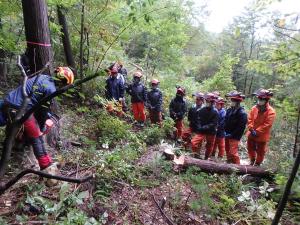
(220, 136)
(235, 124)
(35, 125)
(115, 88)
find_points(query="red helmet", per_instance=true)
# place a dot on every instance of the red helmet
(180, 91)
(199, 95)
(65, 73)
(235, 95)
(137, 74)
(263, 94)
(220, 100)
(155, 81)
(210, 97)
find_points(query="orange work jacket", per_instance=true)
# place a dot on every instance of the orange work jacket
(261, 122)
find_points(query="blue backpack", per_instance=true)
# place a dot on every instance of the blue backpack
(2, 115)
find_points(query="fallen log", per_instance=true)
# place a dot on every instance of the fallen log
(217, 167)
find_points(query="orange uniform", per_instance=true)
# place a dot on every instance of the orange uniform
(261, 122)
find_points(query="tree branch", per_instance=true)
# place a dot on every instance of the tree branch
(167, 219)
(286, 35)
(14, 180)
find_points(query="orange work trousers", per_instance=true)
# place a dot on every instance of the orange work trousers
(186, 137)
(256, 151)
(232, 148)
(220, 144)
(197, 141)
(179, 128)
(138, 110)
(155, 117)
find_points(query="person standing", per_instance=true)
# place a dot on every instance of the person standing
(260, 121)
(206, 126)
(192, 118)
(178, 109)
(220, 137)
(138, 93)
(154, 103)
(114, 88)
(235, 124)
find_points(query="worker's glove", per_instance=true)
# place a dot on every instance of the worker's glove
(48, 125)
(253, 133)
(205, 127)
(227, 135)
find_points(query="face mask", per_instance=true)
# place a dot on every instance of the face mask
(261, 102)
(233, 104)
(208, 104)
(136, 79)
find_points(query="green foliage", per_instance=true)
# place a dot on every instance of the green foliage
(222, 80)
(111, 129)
(154, 134)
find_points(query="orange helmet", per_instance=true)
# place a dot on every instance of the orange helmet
(137, 74)
(65, 73)
(155, 81)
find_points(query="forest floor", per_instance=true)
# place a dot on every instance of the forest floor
(133, 185)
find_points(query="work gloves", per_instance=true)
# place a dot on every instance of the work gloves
(227, 135)
(253, 133)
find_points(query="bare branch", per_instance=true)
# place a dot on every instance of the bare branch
(286, 35)
(14, 180)
(167, 219)
(285, 28)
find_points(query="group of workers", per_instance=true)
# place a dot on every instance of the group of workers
(208, 119)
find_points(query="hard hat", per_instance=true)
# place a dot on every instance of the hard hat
(137, 74)
(65, 73)
(235, 95)
(199, 95)
(155, 81)
(210, 97)
(263, 94)
(220, 100)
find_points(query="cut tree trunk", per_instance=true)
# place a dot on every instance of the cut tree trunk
(216, 167)
(37, 34)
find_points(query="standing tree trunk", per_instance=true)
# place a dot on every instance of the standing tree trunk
(37, 34)
(65, 38)
(297, 134)
(81, 40)
(3, 66)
